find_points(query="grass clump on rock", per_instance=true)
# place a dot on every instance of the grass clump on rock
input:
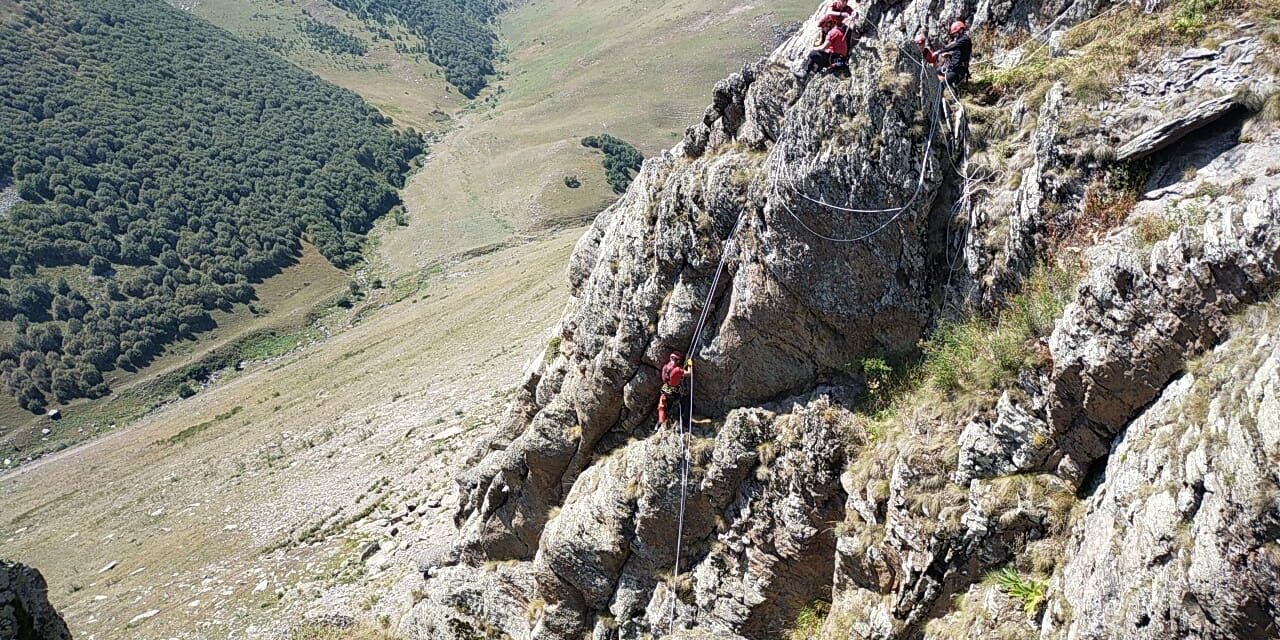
(976, 355)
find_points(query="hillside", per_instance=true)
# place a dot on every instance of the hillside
(995, 363)
(638, 72)
(285, 471)
(383, 60)
(163, 170)
(245, 510)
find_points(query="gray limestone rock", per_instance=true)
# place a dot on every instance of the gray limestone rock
(1182, 537)
(1016, 441)
(1174, 129)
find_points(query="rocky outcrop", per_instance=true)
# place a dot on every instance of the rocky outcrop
(797, 232)
(1182, 538)
(1136, 319)
(25, 612)
(762, 493)
(641, 276)
(1175, 129)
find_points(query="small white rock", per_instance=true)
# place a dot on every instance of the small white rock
(143, 616)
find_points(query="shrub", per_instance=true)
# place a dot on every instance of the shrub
(879, 377)
(1190, 17)
(572, 182)
(185, 390)
(808, 624)
(1028, 590)
(553, 350)
(400, 216)
(621, 160)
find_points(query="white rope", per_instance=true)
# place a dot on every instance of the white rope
(924, 167)
(729, 245)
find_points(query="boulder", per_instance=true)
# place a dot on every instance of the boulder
(25, 612)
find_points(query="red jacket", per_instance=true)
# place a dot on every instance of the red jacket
(835, 43)
(672, 375)
(836, 7)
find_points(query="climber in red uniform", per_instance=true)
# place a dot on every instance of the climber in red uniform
(672, 377)
(952, 60)
(925, 51)
(842, 9)
(834, 47)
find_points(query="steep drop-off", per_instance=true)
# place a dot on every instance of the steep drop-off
(942, 387)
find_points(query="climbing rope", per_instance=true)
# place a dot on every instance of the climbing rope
(897, 211)
(685, 432)
(730, 244)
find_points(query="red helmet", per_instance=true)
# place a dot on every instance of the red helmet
(830, 20)
(675, 356)
(957, 27)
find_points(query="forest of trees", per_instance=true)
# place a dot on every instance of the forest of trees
(329, 39)
(621, 160)
(457, 33)
(164, 167)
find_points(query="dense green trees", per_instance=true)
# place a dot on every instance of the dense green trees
(457, 33)
(327, 38)
(164, 167)
(621, 160)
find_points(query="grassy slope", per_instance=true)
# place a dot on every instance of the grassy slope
(262, 458)
(640, 71)
(409, 89)
(198, 502)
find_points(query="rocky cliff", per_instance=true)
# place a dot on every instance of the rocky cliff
(991, 367)
(25, 612)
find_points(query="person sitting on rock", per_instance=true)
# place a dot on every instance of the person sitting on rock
(672, 379)
(833, 49)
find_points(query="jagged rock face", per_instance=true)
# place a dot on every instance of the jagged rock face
(569, 523)
(791, 308)
(762, 496)
(1182, 539)
(757, 542)
(1134, 321)
(25, 612)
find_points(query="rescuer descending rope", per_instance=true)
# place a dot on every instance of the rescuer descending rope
(672, 388)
